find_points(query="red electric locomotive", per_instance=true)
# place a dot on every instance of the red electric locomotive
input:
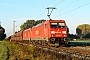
(53, 32)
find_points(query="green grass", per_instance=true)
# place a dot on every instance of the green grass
(19, 52)
(84, 42)
(80, 41)
(13, 51)
(3, 51)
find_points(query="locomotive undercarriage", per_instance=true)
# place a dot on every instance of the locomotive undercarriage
(58, 41)
(41, 42)
(47, 42)
(51, 41)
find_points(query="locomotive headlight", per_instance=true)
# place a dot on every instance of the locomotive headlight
(52, 35)
(52, 32)
(64, 32)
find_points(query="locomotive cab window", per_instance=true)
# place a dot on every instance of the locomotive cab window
(53, 25)
(57, 25)
(60, 25)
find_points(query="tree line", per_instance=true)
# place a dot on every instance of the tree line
(83, 31)
(30, 23)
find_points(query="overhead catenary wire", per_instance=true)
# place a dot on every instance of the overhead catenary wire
(46, 11)
(59, 3)
(72, 10)
(40, 14)
(67, 6)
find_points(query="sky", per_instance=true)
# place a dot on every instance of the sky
(74, 12)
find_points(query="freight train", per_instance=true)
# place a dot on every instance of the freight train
(50, 32)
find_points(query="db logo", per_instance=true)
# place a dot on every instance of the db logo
(36, 32)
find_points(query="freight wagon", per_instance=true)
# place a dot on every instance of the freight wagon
(18, 37)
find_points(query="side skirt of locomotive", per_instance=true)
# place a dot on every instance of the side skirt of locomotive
(41, 41)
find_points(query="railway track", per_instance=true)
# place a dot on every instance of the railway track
(63, 52)
(78, 52)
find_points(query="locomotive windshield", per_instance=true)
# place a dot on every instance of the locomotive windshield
(57, 25)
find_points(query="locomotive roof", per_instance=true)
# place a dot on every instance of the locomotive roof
(47, 21)
(26, 29)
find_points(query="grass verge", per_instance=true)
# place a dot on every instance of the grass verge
(3, 51)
